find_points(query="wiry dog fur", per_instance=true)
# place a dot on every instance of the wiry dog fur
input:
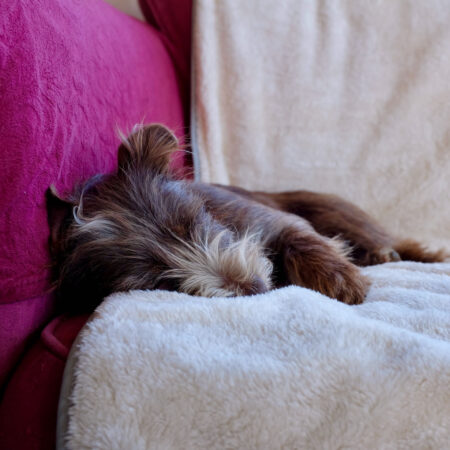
(142, 228)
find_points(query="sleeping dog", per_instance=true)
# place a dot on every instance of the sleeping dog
(143, 228)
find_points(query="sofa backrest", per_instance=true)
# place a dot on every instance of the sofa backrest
(71, 73)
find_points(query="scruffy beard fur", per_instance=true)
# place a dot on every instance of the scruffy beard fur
(142, 228)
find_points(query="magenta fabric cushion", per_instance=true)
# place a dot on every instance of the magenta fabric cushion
(29, 407)
(71, 72)
(174, 19)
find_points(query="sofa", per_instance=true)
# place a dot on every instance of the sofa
(72, 74)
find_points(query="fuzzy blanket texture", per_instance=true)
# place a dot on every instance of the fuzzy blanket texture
(339, 96)
(288, 369)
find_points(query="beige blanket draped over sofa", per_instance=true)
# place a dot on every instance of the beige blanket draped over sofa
(342, 96)
(289, 369)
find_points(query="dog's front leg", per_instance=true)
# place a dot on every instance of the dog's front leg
(311, 260)
(300, 255)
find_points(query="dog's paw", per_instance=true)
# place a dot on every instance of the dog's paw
(405, 250)
(347, 284)
(323, 267)
(382, 255)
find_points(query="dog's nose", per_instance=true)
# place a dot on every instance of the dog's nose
(256, 286)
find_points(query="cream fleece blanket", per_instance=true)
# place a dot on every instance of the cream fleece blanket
(287, 369)
(342, 96)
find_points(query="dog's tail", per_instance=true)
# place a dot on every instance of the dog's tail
(410, 250)
(148, 146)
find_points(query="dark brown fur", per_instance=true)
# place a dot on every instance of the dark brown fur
(141, 228)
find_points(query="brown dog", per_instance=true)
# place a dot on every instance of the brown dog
(141, 228)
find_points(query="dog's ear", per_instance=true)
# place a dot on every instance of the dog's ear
(59, 214)
(150, 147)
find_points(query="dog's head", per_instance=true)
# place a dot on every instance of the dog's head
(141, 228)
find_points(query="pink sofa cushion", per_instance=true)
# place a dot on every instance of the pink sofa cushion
(70, 73)
(29, 407)
(174, 19)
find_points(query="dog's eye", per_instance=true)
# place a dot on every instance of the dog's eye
(166, 285)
